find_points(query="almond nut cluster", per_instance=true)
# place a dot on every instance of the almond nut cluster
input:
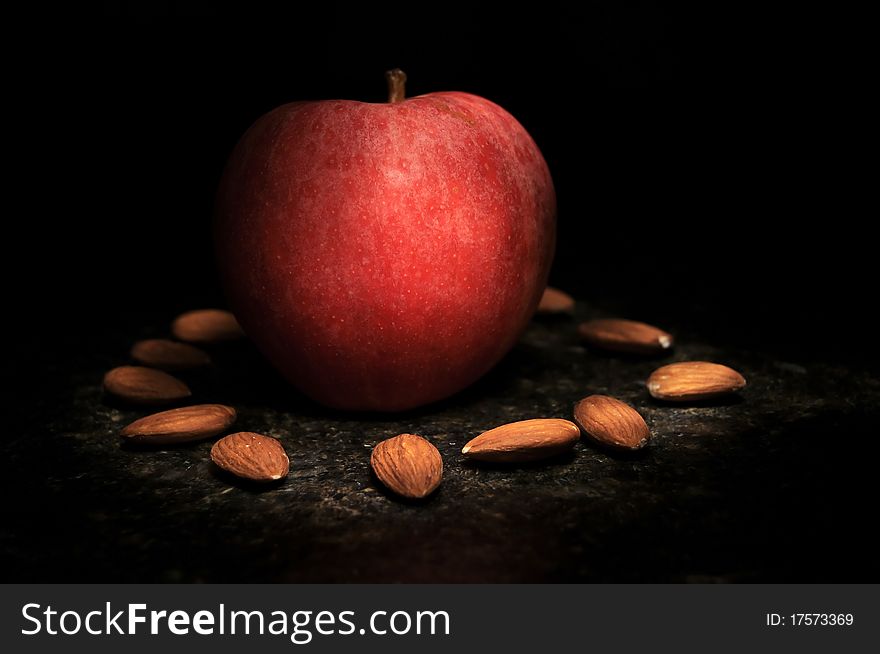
(250, 456)
(408, 465)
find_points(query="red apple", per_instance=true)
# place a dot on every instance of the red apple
(384, 256)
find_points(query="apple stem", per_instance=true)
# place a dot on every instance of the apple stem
(396, 85)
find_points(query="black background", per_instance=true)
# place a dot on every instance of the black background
(697, 155)
(709, 167)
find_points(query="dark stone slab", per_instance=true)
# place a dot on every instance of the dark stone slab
(776, 485)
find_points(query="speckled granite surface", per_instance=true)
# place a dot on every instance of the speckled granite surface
(776, 485)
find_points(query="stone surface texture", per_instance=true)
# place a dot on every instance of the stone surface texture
(776, 484)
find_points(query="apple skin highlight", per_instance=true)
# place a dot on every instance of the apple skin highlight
(385, 256)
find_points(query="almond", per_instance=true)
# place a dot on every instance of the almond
(526, 440)
(168, 355)
(190, 423)
(408, 465)
(251, 456)
(611, 422)
(206, 326)
(621, 335)
(694, 380)
(144, 385)
(555, 301)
